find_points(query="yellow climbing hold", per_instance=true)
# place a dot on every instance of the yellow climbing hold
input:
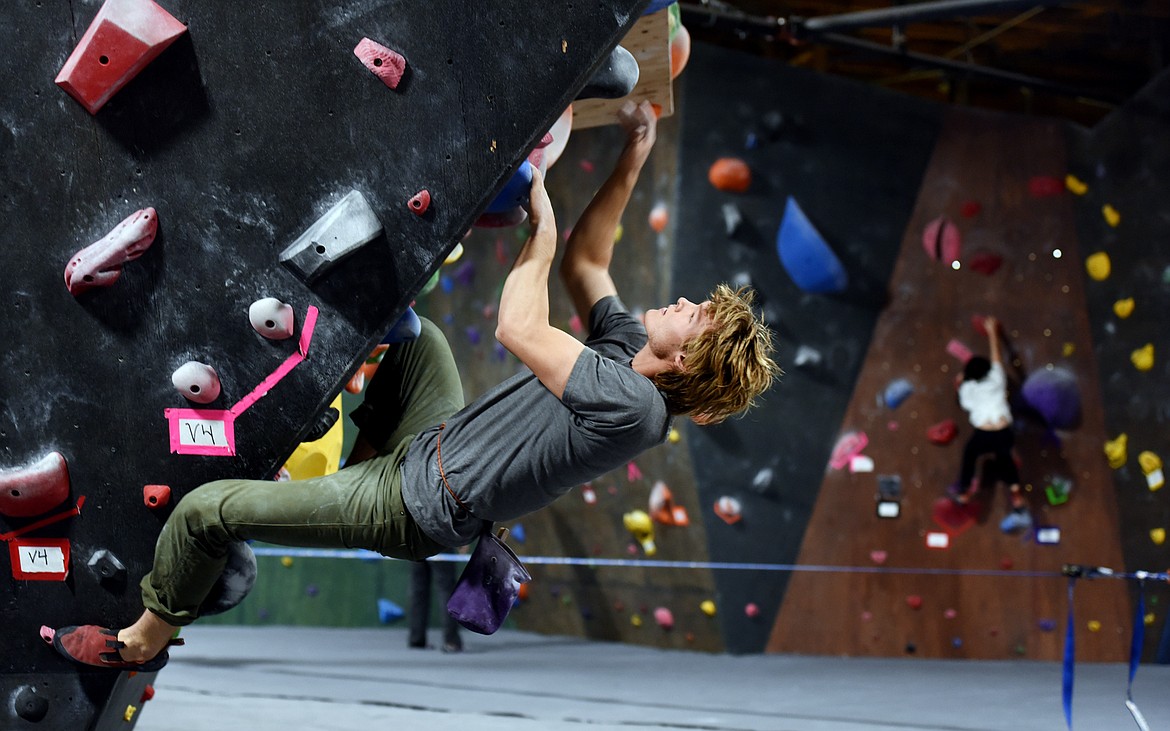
(1068, 349)
(128, 715)
(1123, 308)
(286, 561)
(638, 523)
(635, 620)
(708, 607)
(675, 436)
(1148, 619)
(1075, 185)
(1112, 217)
(1152, 468)
(1143, 357)
(1158, 536)
(1094, 625)
(455, 254)
(617, 234)
(1098, 266)
(1115, 451)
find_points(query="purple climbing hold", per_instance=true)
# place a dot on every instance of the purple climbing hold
(1054, 394)
(473, 334)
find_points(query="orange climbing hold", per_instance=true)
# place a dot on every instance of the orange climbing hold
(730, 174)
(659, 218)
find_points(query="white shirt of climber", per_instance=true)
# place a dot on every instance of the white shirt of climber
(985, 400)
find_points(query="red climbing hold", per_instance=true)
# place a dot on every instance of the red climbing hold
(34, 489)
(1045, 186)
(420, 202)
(970, 209)
(122, 40)
(156, 496)
(387, 65)
(942, 433)
(986, 263)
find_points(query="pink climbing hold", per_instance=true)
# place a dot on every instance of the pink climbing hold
(942, 241)
(848, 446)
(633, 474)
(420, 202)
(387, 65)
(100, 263)
(752, 610)
(664, 617)
(878, 557)
(124, 37)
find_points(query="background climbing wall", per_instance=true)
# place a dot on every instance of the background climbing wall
(239, 144)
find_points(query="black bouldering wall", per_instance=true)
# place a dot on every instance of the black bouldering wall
(852, 156)
(240, 135)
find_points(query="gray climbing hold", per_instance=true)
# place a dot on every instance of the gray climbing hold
(616, 77)
(237, 579)
(30, 706)
(345, 228)
(106, 567)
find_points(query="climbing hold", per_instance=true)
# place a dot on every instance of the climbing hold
(124, 37)
(271, 318)
(156, 496)
(100, 263)
(615, 78)
(664, 617)
(1123, 308)
(128, 714)
(34, 489)
(970, 209)
(950, 613)
(389, 612)
(518, 533)
(752, 610)
(959, 350)
(1094, 625)
(638, 523)
(515, 192)
(1046, 625)
(147, 694)
(1111, 216)
(662, 507)
(807, 356)
(30, 706)
(762, 482)
(1074, 185)
(659, 217)
(197, 382)
(419, 202)
(878, 557)
(1115, 451)
(896, 392)
(729, 509)
(407, 327)
(942, 241)
(636, 620)
(730, 174)
(942, 433)
(286, 561)
(848, 446)
(234, 582)
(106, 567)
(1058, 490)
(680, 51)
(1054, 394)
(732, 220)
(806, 255)
(1044, 186)
(617, 233)
(1158, 536)
(455, 255)
(430, 285)
(346, 227)
(1151, 465)
(1098, 266)
(1143, 357)
(312, 590)
(633, 473)
(985, 263)
(914, 601)
(387, 65)
(707, 607)
(675, 436)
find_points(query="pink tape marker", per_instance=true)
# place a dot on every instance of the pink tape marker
(212, 432)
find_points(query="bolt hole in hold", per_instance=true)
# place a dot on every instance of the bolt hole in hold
(271, 318)
(104, 60)
(320, 249)
(377, 62)
(197, 382)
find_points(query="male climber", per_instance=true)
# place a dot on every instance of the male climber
(427, 473)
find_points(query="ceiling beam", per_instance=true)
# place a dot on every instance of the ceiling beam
(901, 14)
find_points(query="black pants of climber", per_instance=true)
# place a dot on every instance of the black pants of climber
(998, 443)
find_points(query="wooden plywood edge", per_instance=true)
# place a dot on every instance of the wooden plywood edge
(649, 42)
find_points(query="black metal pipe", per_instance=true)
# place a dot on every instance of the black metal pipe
(898, 15)
(948, 64)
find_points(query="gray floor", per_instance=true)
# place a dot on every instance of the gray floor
(287, 679)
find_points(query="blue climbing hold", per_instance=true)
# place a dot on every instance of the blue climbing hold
(517, 533)
(896, 392)
(656, 5)
(806, 256)
(389, 612)
(515, 193)
(407, 328)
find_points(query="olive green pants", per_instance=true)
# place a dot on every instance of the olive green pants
(416, 386)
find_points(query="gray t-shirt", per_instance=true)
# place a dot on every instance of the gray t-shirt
(517, 448)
